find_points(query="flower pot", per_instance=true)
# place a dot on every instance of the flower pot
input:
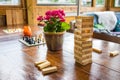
(54, 41)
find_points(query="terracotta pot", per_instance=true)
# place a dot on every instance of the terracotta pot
(54, 41)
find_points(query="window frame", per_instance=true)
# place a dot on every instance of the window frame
(100, 5)
(56, 4)
(92, 3)
(114, 5)
(18, 5)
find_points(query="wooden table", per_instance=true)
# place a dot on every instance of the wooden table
(17, 61)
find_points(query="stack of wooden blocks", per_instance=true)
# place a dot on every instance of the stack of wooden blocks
(83, 39)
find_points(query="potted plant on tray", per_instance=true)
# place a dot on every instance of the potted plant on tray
(54, 28)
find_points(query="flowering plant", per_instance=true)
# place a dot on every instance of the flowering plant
(54, 21)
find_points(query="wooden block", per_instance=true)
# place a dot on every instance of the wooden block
(97, 50)
(83, 57)
(82, 38)
(82, 53)
(44, 65)
(83, 30)
(40, 62)
(114, 53)
(84, 62)
(80, 43)
(49, 70)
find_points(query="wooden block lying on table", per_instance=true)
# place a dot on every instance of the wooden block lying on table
(114, 53)
(49, 70)
(44, 65)
(97, 50)
(40, 62)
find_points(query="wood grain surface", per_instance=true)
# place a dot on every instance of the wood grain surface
(17, 61)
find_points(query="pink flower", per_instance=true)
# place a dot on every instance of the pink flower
(54, 13)
(48, 13)
(62, 12)
(40, 18)
(47, 17)
(62, 19)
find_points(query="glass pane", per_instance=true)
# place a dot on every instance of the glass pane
(86, 3)
(9, 2)
(56, 1)
(100, 3)
(117, 3)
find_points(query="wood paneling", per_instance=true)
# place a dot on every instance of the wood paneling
(111, 6)
(40, 10)
(14, 14)
(14, 17)
(2, 12)
(92, 9)
(9, 17)
(69, 18)
(33, 11)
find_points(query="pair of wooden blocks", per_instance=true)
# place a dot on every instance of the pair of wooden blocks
(45, 67)
(113, 53)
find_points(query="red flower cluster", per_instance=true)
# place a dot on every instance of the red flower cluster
(56, 14)
(54, 21)
(40, 18)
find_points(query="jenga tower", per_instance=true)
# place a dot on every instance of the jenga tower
(83, 39)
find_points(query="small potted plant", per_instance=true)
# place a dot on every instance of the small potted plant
(54, 28)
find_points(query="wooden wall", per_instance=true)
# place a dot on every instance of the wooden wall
(34, 10)
(15, 15)
(28, 11)
(40, 10)
(112, 8)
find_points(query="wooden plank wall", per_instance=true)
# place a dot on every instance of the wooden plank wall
(17, 14)
(14, 17)
(40, 10)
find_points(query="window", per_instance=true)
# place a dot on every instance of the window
(86, 3)
(117, 3)
(9, 2)
(100, 3)
(56, 2)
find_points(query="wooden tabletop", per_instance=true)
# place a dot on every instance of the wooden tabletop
(17, 61)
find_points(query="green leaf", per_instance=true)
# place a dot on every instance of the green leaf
(65, 26)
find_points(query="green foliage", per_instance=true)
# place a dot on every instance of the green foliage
(56, 27)
(54, 0)
(100, 2)
(73, 1)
